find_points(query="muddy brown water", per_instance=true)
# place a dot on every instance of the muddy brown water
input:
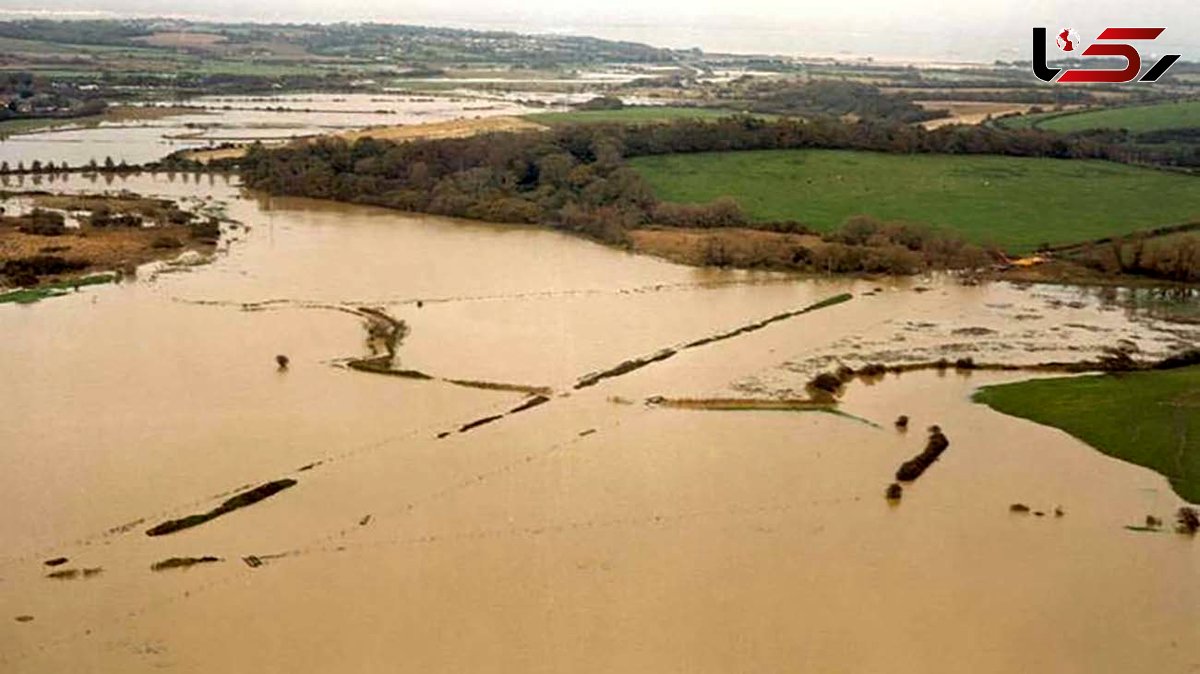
(590, 533)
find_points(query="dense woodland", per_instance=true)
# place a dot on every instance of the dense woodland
(1164, 147)
(1174, 257)
(833, 97)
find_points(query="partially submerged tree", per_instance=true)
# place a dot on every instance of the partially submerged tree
(1188, 520)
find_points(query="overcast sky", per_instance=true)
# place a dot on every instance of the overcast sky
(969, 28)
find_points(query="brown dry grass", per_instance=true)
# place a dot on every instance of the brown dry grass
(458, 128)
(107, 249)
(205, 156)
(103, 248)
(739, 247)
(970, 112)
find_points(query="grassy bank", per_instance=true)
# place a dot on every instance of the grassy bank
(1014, 202)
(31, 295)
(1151, 419)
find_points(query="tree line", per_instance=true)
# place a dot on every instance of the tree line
(38, 167)
(1175, 257)
(835, 98)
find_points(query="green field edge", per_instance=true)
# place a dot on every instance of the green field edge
(1129, 417)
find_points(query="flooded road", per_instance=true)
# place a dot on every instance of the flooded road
(590, 533)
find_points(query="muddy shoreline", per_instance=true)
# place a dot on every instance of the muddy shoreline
(396, 133)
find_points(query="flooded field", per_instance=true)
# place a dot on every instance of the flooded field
(552, 520)
(220, 119)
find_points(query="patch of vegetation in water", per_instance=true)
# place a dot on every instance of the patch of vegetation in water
(913, 468)
(632, 364)
(1151, 418)
(759, 325)
(39, 293)
(182, 562)
(744, 404)
(72, 574)
(246, 498)
(383, 365)
(624, 368)
(479, 422)
(530, 403)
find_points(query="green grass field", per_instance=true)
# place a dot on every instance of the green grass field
(1138, 119)
(633, 115)
(1151, 419)
(1014, 202)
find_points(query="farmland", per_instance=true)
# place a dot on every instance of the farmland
(1004, 201)
(1136, 119)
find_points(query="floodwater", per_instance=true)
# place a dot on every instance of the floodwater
(592, 533)
(242, 119)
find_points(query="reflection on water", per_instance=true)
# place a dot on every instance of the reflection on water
(590, 533)
(1180, 303)
(174, 184)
